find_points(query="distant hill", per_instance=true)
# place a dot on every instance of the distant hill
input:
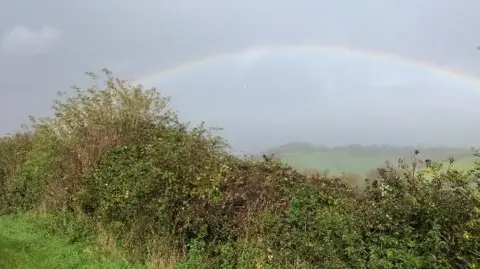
(362, 159)
(290, 148)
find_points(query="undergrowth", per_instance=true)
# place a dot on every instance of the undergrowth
(114, 164)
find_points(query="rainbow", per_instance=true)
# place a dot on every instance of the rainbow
(257, 52)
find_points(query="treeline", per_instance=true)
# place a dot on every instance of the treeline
(115, 164)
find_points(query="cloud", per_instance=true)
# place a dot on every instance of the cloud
(25, 42)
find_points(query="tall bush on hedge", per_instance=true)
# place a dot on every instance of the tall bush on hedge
(149, 187)
(84, 127)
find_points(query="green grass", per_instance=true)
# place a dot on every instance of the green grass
(26, 244)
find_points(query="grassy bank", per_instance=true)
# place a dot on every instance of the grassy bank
(26, 243)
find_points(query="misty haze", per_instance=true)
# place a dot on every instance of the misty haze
(324, 108)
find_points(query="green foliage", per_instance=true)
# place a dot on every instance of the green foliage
(316, 229)
(115, 163)
(195, 258)
(42, 166)
(227, 256)
(155, 180)
(418, 223)
(13, 152)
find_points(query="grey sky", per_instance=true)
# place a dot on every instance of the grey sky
(47, 45)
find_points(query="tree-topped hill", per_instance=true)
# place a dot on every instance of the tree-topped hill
(289, 148)
(114, 163)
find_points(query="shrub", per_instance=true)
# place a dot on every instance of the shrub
(414, 222)
(42, 165)
(13, 152)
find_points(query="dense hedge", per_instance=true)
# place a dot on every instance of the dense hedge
(114, 160)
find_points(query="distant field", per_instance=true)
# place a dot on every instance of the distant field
(463, 163)
(362, 159)
(335, 163)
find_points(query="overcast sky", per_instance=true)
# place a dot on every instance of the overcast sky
(46, 46)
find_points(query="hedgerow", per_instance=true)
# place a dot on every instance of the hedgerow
(115, 162)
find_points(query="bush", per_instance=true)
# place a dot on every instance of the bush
(414, 222)
(42, 165)
(13, 152)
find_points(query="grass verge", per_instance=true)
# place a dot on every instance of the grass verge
(26, 243)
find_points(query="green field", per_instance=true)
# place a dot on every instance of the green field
(26, 244)
(335, 163)
(362, 159)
